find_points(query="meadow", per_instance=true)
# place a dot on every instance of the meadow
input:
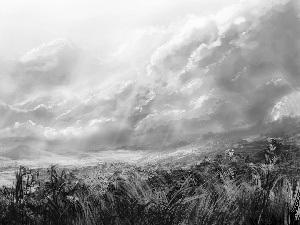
(228, 188)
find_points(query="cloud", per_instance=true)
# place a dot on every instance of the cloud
(217, 73)
(238, 53)
(21, 130)
(57, 66)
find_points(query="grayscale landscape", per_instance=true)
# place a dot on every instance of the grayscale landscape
(150, 112)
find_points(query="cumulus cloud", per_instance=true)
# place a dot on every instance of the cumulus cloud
(239, 53)
(236, 69)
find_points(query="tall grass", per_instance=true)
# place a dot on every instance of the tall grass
(213, 192)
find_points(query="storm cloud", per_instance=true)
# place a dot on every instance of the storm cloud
(164, 86)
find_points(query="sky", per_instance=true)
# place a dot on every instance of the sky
(94, 75)
(97, 25)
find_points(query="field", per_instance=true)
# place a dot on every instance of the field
(222, 187)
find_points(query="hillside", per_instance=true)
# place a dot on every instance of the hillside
(24, 152)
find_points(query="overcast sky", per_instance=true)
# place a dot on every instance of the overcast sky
(97, 25)
(170, 71)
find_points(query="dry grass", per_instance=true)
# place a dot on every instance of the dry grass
(213, 192)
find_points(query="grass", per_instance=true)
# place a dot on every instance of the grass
(225, 190)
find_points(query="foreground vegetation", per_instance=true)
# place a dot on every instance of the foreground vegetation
(229, 189)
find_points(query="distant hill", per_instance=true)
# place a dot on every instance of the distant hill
(24, 152)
